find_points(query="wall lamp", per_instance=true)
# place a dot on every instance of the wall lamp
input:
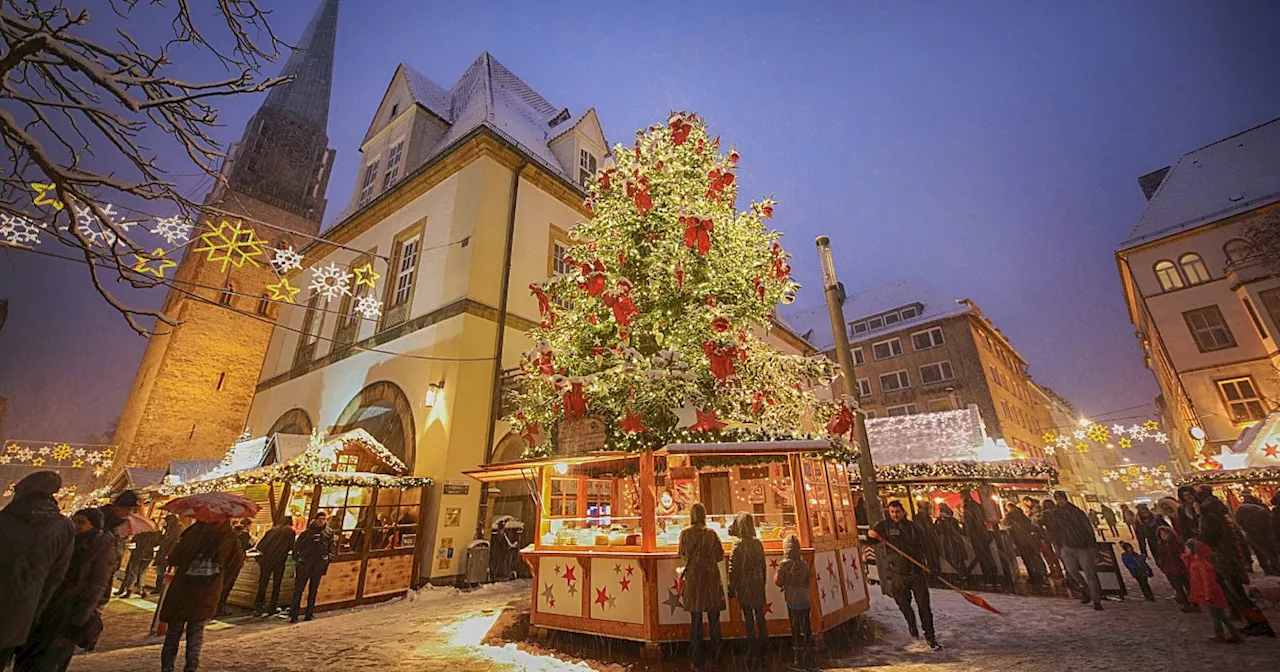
(434, 393)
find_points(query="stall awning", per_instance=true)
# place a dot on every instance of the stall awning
(522, 469)
(745, 448)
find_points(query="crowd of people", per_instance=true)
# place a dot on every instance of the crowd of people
(58, 573)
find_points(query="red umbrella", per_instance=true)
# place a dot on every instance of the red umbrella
(133, 524)
(212, 507)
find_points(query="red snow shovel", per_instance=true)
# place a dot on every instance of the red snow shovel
(970, 597)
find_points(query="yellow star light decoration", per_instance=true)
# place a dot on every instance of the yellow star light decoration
(42, 195)
(232, 244)
(77, 463)
(365, 275)
(61, 452)
(1098, 433)
(1151, 425)
(38, 462)
(157, 255)
(1082, 447)
(283, 291)
(1126, 442)
(108, 453)
(11, 448)
(1048, 437)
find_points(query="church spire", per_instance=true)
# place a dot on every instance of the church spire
(311, 66)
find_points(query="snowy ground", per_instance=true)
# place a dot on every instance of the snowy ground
(441, 629)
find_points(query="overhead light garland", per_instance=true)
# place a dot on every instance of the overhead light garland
(1083, 440)
(1269, 476)
(95, 457)
(1140, 476)
(1016, 470)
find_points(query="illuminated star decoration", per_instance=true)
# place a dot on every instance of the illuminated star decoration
(365, 275)
(285, 259)
(157, 255)
(77, 463)
(18, 230)
(1126, 442)
(43, 195)
(368, 307)
(283, 291)
(1271, 450)
(330, 281)
(173, 229)
(1151, 425)
(38, 462)
(1082, 447)
(1048, 437)
(231, 244)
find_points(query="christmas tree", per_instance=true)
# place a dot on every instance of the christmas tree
(653, 328)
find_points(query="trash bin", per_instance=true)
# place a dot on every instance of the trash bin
(476, 565)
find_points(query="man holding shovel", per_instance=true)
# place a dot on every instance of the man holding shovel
(903, 555)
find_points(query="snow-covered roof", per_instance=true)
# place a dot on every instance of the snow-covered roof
(186, 470)
(1228, 177)
(951, 436)
(814, 323)
(289, 446)
(143, 477)
(241, 456)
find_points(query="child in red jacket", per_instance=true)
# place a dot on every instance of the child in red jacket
(1206, 592)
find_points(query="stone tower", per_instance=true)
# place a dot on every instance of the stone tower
(191, 396)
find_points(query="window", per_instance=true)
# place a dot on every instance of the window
(600, 501)
(394, 158)
(264, 304)
(396, 525)
(1168, 275)
(1209, 329)
(1271, 304)
(923, 340)
(895, 411)
(820, 517)
(224, 298)
(860, 327)
(406, 266)
(395, 108)
(858, 357)
(892, 318)
(941, 404)
(349, 511)
(887, 349)
(586, 166)
(910, 312)
(894, 381)
(311, 321)
(366, 185)
(564, 497)
(753, 473)
(1236, 250)
(869, 412)
(936, 373)
(864, 387)
(559, 249)
(995, 375)
(875, 323)
(1253, 315)
(1004, 409)
(1193, 267)
(1241, 400)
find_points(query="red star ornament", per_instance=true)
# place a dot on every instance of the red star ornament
(707, 422)
(1271, 450)
(633, 423)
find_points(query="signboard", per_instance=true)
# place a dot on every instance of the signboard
(1110, 579)
(1091, 498)
(258, 493)
(581, 435)
(456, 488)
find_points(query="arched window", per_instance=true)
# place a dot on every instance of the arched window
(383, 410)
(1237, 249)
(1193, 268)
(294, 421)
(1168, 275)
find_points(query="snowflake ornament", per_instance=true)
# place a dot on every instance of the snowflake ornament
(18, 230)
(1079, 434)
(94, 231)
(1050, 449)
(331, 282)
(78, 452)
(1118, 430)
(368, 307)
(286, 259)
(231, 244)
(45, 450)
(173, 229)
(5, 459)
(61, 452)
(1062, 441)
(1160, 437)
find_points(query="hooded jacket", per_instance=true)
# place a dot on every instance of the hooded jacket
(746, 564)
(793, 575)
(1168, 553)
(1205, 590)
(37, 544)
(206, 556)
(1255, 520)
(702, 553)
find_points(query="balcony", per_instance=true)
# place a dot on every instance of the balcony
(1248, 269)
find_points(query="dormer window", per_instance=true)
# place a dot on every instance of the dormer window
(586, 166)
(394, 158)
(370, 179)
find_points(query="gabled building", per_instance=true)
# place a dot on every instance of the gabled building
(916, 351)
(464, 198)
(1206, 306)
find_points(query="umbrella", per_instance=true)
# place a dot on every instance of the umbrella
(970, 597)
(133, 524)
(212, 507)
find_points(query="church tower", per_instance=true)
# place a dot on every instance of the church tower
(191, 395)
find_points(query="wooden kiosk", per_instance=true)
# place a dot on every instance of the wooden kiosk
(606, 563)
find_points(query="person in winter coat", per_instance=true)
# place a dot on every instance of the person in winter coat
(1168, 551)
(113, 515)
(703, 594)
(1130, 518)
(1168, 508)
(929, 531)
(1139, 568)
(37, 541)
(746, 582)
(1275, 517)
(1048, 545)
(1255, 520)
(168, 541)
(1217, 531)
(793, 577)
(1109, 515)
(975, 527)
(144, 551)
(1206, 592)
(907, 577)
(951, 540)
(1026, 539)
(1079, 547)
(1145, 526)
(203, 558)
(72, 617)
(229, 580)
(1188, 514)
(312, 553)
(273, 555)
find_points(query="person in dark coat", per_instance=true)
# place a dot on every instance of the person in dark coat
(144, 551)
(312, 553)
(1130, 519)
(1145, 526)
(951, 540)
(73, 617)
(206, 554)
(1079, 547)
(229, 580)
(37, 542)
(273, 555)
(1218, 533)
(113, 514)
(1255, 520)
(908, 578)
(975, 527)
(168, 541)
(1026, 539)
(1109, 515)
(703, 594)
(746, 582)
(1188, 514)
(1048, 546)
(794, 578)
(1275, 516)
(1168, 551)
(924, 521)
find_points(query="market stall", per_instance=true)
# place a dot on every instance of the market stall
(1252, 463)
(374, 509)
(605, 561)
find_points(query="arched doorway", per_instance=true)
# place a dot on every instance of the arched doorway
(513, 498)
(294, 421)
(383, 410)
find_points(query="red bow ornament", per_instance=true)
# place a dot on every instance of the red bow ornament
(697, 233)
(781, 269)
(575, 401)
(619, 300)
(605, 179)
(680, 128)
(720, 357)
(720, 180)
(841, 423)
(638, 190)
(544, 302)
(766, 208)
(593, 281)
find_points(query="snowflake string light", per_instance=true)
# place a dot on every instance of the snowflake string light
(1062, 441)
(18, 230)
(91, 228)
(1118, 430)
(1098, 433)
(1050, 449)
(78, 452)
(1160, 437)
(24, 455)
(285, 259)
(93, 458)
(5, 459)
(231, 244)
(173, 229)
(61, 452)
(368, 307)
(331, 282)
(1079, 434)
(44, 450)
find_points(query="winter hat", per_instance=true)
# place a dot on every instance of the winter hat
(792, 547)
(127, 499)
(38, 484)
(94, 517)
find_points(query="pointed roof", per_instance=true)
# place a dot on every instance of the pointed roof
(311, 66)
(814, 323)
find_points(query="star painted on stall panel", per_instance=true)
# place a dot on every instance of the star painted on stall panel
(831, 569)
(1271, 450)
(573, 589)
(617, 569)
(631, 569)
(568, 574)
(548, 593)
(773, 563)
(613, 601)
(768, 608)
(626, 584)
(602, 596)
(673, 601)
